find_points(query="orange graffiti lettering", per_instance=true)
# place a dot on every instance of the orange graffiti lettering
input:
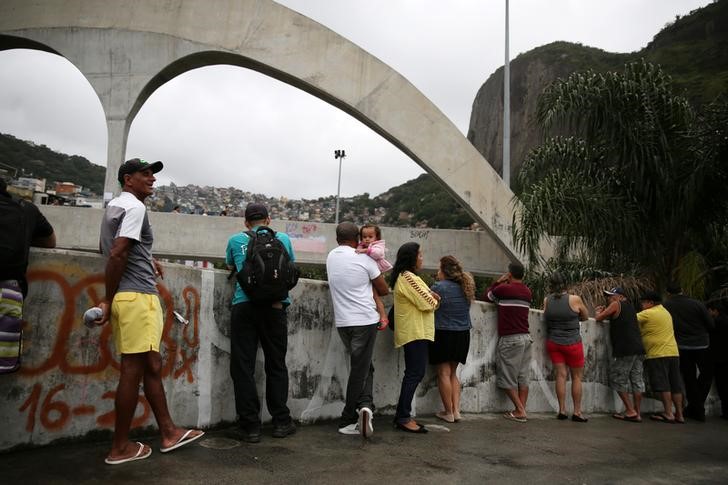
(107, 420)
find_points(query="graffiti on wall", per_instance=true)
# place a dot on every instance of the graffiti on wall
(85, 359)
(306, 237)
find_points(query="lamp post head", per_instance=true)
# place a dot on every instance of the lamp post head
(339, 153)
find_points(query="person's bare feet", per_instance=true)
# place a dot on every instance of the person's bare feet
(131, 451)
(180, 437)
(411, 425)
(445, 416)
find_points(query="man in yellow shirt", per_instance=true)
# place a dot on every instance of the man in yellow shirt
(662, 361)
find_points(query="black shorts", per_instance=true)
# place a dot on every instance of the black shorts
(449, 346)
(664, 375)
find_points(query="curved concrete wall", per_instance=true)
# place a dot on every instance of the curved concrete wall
(127, 49)
(67, 384)
(186, 236)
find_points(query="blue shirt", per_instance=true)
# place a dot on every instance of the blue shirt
(454, 310)
(235, 256)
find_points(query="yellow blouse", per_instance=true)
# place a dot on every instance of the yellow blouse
(658, 336)
(414, 310)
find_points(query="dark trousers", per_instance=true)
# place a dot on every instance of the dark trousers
(359, 343)
(415, 364)
(721, 385)
(250, 324)
(697, 373)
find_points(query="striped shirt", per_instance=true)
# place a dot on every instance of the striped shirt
(514, 302)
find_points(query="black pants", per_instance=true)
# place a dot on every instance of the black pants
(250, 324)
(415, 365)
(721, 384)
(697, 373)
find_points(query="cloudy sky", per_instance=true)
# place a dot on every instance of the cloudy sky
(207, 123)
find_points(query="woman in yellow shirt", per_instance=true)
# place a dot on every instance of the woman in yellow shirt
(414, 316)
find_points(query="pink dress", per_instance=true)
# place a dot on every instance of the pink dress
(376, 251)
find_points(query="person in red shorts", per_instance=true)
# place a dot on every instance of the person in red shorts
(563, 313)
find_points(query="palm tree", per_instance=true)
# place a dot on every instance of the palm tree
(639, 187)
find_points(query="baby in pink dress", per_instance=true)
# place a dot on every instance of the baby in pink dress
(372, 244)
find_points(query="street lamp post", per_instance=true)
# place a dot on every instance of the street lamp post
(340, 154)
(507, 112)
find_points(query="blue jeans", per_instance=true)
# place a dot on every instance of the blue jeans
(415, 364)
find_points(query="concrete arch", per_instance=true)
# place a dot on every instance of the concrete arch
(128, 48)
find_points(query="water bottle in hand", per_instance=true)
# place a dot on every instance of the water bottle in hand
(91, 315)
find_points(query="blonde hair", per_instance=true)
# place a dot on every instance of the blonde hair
(453, 270)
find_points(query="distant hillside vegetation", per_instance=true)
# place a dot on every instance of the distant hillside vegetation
(39, 161)
(420, 201)
(692, 49)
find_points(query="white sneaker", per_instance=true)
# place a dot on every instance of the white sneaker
(350, 429)
(365, 424)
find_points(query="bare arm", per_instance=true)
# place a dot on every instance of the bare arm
(45, 242)
(611, 310)
(158, 269)
(380, 286)
(115, 267)
(577, 304)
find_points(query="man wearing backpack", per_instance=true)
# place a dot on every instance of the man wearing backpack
(259, 315)
(21, 225)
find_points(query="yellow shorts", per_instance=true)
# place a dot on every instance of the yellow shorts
(137, 321)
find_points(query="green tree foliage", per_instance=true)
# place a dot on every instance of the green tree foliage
(418, 202)
(637, 187)
(426, 202)
(41, 162)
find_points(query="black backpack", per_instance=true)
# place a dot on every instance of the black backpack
(268, 272)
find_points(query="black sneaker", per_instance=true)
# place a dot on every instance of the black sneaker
(248, 436)
(283, 430)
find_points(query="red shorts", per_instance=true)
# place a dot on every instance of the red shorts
(572, 355)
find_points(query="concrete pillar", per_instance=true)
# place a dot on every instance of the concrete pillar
(116, 151)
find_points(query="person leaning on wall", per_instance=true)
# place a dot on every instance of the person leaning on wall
(452, 332)
(562, 313)
(626, 368)
(21, 226)
(414, 307)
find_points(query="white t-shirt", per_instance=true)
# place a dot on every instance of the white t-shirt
(350, 280)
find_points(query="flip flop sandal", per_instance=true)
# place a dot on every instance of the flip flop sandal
(140, 455)
(512, 417)
(185, 439)
(661, 418)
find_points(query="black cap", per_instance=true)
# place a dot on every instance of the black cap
(135, 165)
(674, 288)
(255, 212)
(652, 296)
(617, 290)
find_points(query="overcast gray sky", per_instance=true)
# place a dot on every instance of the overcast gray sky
(203, 123)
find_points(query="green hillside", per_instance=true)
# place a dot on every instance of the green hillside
(39, 161)
(694, 51)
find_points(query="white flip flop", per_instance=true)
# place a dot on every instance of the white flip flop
(184, 440)
(140, 455)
